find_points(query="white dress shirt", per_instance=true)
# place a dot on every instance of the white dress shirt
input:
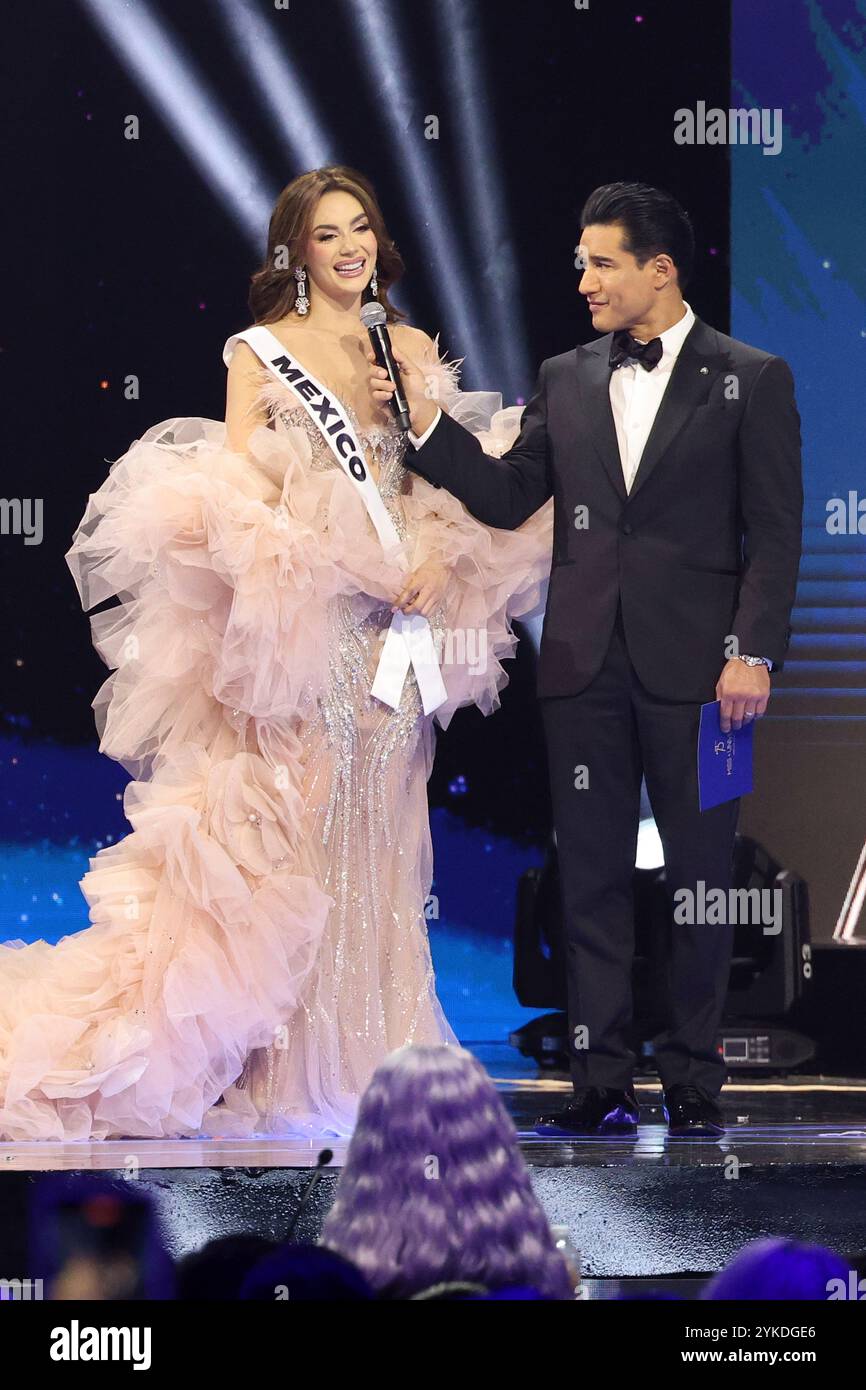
(636, 394)
(419, 439)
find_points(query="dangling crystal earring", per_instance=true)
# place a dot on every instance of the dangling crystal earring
(302, 303)
(374, 283)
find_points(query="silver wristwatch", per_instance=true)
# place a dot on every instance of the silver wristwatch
(756, 660)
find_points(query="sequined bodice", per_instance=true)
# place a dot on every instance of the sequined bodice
(385, 448)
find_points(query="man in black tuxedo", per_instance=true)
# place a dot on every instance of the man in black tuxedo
(673, 455)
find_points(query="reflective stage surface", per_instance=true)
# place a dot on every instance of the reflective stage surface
(791, 1163)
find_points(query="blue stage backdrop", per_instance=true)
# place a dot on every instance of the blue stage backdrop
(798, 288)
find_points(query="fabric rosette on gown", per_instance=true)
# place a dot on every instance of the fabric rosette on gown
(258, 941)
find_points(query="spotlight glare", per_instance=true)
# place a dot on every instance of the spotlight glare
(179, 93)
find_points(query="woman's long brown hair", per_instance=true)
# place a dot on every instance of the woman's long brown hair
(273, 291)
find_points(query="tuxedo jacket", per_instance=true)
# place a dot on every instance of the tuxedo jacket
(706, 545)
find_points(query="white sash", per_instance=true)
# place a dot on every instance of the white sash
(408, 639)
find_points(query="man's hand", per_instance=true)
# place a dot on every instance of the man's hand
(744, 692)
(423, 590)
(422, 411)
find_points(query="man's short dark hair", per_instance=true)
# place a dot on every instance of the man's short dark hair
(652, 221)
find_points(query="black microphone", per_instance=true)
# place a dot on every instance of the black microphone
(322, 1161)
(375, 320)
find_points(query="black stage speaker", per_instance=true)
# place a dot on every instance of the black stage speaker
(770, 972)
(832, 1009)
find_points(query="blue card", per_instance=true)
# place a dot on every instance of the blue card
(724, 760)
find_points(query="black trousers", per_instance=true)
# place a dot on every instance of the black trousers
(618, 731)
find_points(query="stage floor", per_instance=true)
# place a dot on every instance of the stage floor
(791, 1163)
(774, 1120)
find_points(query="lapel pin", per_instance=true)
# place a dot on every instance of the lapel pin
(704, 371)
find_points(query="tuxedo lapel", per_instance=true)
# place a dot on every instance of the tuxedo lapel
(595, 408)
(697, 366)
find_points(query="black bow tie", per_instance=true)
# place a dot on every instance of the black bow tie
(624, 346)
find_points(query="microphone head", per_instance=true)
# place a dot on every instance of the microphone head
(373, 315)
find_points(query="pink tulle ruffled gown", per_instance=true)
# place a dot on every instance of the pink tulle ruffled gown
(258, 942)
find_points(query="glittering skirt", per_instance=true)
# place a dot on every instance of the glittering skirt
(371, 988)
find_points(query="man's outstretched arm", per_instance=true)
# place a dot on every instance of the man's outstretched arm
(501, 492)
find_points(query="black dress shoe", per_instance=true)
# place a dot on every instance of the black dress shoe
(692, 1113)
(593, 1110)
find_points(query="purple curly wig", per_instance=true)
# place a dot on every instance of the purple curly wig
(435, 1188)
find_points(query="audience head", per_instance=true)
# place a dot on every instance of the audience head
(778, 1269)
(435, 1189)
(218, 1269)
(304, 1274)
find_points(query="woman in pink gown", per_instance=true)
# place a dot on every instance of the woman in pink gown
(258, 943)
